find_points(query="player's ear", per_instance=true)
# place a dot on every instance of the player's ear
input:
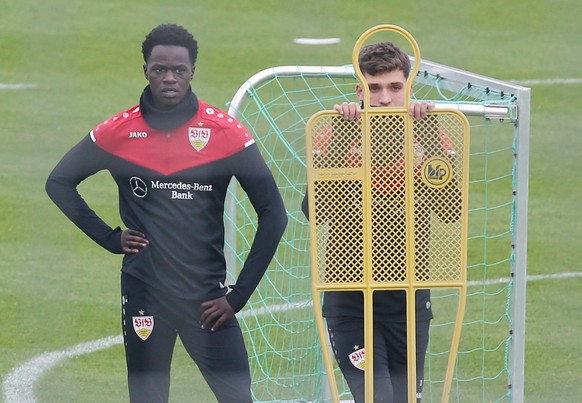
(360, 92)
(145, 71)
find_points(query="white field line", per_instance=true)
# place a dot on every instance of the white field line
(316, 41)
(4, 86)
(19, 384)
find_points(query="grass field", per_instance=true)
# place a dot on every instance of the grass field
(80, 62)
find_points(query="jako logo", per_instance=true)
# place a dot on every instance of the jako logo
(138, 135)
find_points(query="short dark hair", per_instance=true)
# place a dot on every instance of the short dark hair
(383, 57)
(173, 35)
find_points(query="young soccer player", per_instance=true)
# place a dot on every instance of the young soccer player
(385, 68)
(172, 157)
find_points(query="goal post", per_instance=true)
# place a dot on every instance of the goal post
(278, 322)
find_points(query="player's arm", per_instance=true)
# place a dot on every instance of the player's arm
(82, 161)
(257, 181)
(305, 204)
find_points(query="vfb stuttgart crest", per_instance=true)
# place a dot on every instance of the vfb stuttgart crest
(358, 358)
(143, 326)
(199, 137)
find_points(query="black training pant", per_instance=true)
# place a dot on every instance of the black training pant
(221, 355)
(346, 335)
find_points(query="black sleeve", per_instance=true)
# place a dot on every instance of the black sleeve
(257, 181)
(82, 161)
(305, 204)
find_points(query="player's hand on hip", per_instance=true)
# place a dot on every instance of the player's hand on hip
(215, 313)
(420, 109)
(349, 110)
(133, 241)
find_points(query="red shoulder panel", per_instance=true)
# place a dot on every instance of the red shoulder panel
(209, 136)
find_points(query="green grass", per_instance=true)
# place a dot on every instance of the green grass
(58, 289)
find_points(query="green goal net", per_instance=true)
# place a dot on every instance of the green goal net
(278, 322)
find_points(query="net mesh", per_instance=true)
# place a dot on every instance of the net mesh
(278, 322)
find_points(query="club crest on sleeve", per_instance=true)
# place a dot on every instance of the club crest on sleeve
(199, 137)
(358, 358)
(143, 326)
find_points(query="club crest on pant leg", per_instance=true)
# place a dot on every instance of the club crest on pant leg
(358, 358)
(143, 326)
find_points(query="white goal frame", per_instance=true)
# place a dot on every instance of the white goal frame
(453, 79)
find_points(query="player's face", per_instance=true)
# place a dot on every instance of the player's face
(169, 72)
(386, 89)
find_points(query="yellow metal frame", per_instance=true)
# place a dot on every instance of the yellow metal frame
(363, 174)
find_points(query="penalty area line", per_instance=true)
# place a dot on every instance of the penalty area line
(19, 384)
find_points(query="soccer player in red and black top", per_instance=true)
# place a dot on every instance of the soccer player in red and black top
(172, 157)
(385, 68)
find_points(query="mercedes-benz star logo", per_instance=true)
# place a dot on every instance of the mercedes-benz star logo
(138, 187)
